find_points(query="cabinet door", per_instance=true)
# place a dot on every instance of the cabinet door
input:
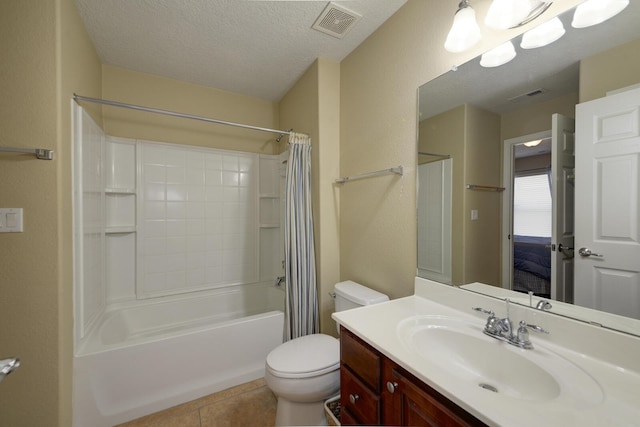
(357, 400)
(409, 402)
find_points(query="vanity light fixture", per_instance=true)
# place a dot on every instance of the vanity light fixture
(543, 34)
(593, 12)
(532, 143)
(504, 14)
(498, 56)
(465, 31)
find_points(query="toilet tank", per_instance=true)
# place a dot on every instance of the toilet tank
(351, 295)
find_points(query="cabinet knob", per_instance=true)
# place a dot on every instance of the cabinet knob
(391, 386)
(353, 398)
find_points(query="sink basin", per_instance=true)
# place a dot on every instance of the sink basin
(465, 353)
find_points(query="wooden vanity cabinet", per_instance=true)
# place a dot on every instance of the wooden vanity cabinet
(410, 402)
(360, 381)
(374, 390)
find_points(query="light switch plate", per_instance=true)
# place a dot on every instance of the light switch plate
(11, 220)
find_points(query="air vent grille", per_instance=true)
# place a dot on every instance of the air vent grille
(336, 21)
(527, 95)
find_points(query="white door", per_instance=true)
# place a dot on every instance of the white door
(562, 195)
(434, 220)
(608, 204)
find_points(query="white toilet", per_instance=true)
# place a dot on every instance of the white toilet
(305, 371)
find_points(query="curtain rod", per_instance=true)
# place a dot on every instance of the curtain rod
(78, 98)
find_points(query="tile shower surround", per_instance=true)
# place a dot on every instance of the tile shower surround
(163, 219)
(198, 226)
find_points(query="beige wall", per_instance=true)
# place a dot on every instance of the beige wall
(482, 167)
(472, 137)
(313, 106)
(613, 69)
(537, 118)
(148, 90)
(50, 57)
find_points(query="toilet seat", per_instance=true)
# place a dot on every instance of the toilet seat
(304, 357)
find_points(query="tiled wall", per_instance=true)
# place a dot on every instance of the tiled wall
(198, 223)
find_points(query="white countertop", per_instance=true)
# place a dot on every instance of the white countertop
(613, 375)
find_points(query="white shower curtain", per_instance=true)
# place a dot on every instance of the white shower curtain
(301, 302)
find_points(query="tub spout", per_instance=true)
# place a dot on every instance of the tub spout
(7, 366)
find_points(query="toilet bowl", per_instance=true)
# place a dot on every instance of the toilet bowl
(305, 371)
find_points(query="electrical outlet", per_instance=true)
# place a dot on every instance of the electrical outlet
(474, 214)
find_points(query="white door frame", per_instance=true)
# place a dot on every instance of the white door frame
(507, 202)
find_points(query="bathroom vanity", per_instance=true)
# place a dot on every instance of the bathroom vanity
(376, 390)
(424, 360)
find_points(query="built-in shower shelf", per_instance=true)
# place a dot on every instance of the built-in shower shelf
(120, 230)
(120, 190)
(269, 196)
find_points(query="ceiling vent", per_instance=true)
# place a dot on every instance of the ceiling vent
(336, 21)
(527, 95)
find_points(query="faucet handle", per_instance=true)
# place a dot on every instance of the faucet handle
(483, 310)
(535, 328)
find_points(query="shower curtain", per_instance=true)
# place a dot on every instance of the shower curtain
(301, 301)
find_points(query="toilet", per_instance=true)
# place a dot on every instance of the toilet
(305, 371)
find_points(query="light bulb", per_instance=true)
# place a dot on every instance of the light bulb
(464, 32)
(543, 34)
(505, 14)
(594, 12)
(498, 56)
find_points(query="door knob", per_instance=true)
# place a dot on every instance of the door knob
(353, 398)
(586, 252)
(391, 386)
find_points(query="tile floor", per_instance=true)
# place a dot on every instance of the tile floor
(247, 405)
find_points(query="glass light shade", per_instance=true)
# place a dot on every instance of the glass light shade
(498, 56)
(464, 32)
(543, 34)
(594, 12)
(505, 14)
(532, 143)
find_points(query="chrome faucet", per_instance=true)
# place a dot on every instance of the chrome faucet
(502, 329)
(7, 366)
(543, 305)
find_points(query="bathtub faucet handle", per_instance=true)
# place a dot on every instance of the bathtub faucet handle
(279, 280)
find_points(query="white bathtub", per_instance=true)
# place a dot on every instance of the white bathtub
(143, 358)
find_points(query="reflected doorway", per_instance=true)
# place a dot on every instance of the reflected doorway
(527, 226)
(535, 260)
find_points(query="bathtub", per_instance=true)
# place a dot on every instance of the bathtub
(144, 357)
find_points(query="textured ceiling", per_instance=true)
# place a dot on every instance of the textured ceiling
(253, 47)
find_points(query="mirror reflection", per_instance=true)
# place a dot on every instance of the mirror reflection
(499, 199)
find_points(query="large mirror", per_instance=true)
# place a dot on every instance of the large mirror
(496, 173)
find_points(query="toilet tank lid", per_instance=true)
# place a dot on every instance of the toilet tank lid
(310, 354)
(359, 294)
